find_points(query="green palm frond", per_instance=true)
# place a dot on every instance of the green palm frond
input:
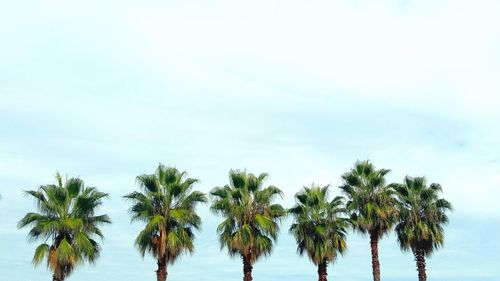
(166, 205)
(319, 226)
(65, 218)
(370, 201)
(251, 219)
(40, 253)
(422, 215)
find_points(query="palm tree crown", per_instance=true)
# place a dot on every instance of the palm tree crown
(251, 220)
(422, 214)
(167, 206)
(318, 227)
(371, 204)
(370, 201)
(66, 217)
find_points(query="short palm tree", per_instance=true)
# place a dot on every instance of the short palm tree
(318, 227)
(166, 204)
(67, 223)
(422, 215)
(251, 219)
(371, 204)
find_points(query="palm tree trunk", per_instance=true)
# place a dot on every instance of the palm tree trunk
(420, 259)
(322, 271)
(247, 269)
(161, 273)
(375, 262)
(59, 274)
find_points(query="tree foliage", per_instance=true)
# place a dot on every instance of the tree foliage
(251, 219)
(422, 214)
(166, 205)
(371, 201)
(67, 223)
(319, 226)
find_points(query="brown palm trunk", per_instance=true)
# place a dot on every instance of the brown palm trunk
(322, 273)
(161, 273)
(420, 259)
(247, 269)
(59, 274)
(375, 262)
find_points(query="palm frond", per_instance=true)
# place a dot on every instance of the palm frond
(166, 205)
(319, 228)
(250, 218)
(66, 217)
(421, 215)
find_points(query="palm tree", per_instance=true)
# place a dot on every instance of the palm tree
(251, 219)
(66, 217)
(318, 227)
(422, 215)
(166, 204)
(371, 204)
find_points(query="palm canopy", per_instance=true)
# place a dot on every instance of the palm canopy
(251, 223)
(370, 201)
(66, 217)
(166, 204)
(319, 227)
(422, 214)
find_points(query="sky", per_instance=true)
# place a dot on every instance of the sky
(105, 90)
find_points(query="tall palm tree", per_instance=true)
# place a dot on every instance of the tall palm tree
(318, 227)
(371, 204)
(422, 214)
(66, 223)
(251, 219)
(166, 204)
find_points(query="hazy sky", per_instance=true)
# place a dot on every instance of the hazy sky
(106, 90)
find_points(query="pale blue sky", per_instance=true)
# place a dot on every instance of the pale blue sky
(105, 90)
